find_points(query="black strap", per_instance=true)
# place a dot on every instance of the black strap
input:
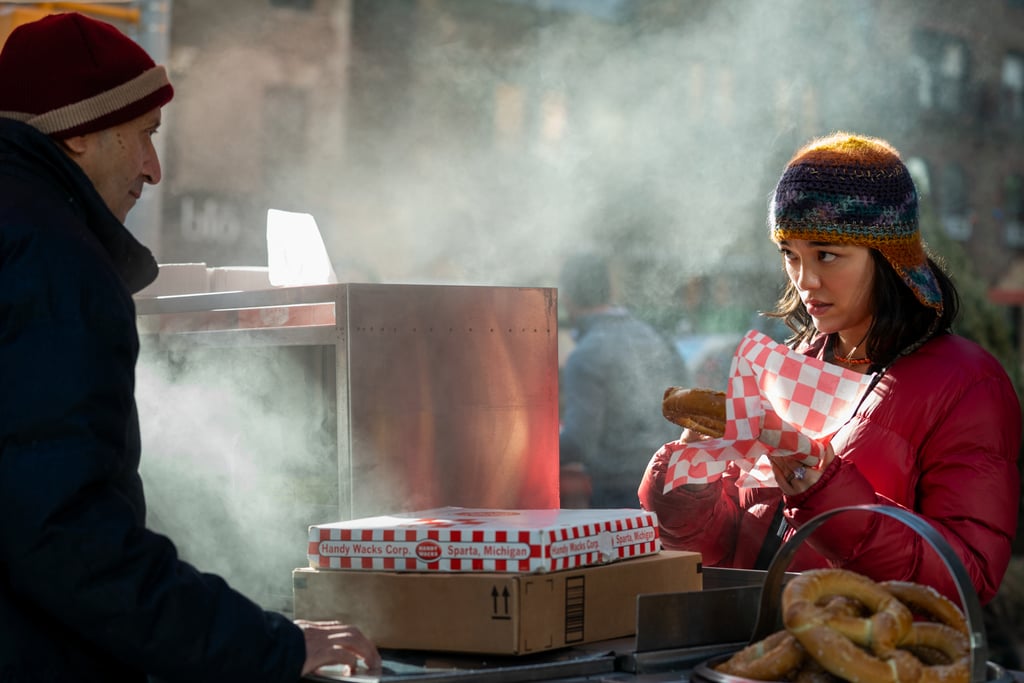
(772, 542)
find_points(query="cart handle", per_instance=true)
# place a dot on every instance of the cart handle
(771, 593)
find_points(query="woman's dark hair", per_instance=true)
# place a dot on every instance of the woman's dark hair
(901, 322)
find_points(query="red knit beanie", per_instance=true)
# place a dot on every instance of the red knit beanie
(67, 74)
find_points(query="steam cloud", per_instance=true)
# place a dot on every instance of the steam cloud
(657, 140)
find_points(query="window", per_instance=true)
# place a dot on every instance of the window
(918, 168)
(1013, 209)
(952, 75)
(953, 204)
(293, 4)
(285, 130)
(724, 97)
(545, 120)
(1012, 93)
(939, 65)
(554, 116)
(509, 111)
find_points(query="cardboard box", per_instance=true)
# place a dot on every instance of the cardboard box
(283, 316)
(493, 613)
(453, 539)
(239, 278)
(175, 279)
(248, 278)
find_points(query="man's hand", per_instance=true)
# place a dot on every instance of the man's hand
(331, 642)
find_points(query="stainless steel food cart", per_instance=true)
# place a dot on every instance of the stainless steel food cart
(308, 404)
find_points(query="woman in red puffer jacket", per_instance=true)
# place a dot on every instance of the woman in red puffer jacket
(938, 431)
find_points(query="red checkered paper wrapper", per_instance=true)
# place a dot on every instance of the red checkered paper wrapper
(779, 403)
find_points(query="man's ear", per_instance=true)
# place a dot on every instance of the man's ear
(76, 144)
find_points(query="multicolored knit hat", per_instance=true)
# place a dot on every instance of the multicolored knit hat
(67, 74)
(852, 189)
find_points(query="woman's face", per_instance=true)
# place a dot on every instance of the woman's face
(835, 284)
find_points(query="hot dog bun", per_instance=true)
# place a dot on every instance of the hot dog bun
(701, 410)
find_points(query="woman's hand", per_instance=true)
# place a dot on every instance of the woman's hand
(331, 642)
(793, 477)
(689, 436)
(651, 491)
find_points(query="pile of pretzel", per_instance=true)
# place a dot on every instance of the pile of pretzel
(840, 625)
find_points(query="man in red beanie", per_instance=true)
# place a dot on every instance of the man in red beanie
(87, 592)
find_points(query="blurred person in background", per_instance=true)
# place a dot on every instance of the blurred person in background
(87, 592)
(938, 430)
(611, 390)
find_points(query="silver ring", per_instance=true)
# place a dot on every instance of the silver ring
(799, 472)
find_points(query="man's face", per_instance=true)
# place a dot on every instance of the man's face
(120, 160)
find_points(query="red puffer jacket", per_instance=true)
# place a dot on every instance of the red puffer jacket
(939, 434)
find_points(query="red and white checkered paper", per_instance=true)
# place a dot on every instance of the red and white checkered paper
(779, 403)
(453, 539)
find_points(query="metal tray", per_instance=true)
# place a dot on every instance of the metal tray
(705, 672)
(430, 667)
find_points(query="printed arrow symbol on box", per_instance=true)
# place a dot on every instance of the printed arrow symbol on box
(504, 596)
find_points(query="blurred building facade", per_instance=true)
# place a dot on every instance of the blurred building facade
(449, 140)
(637, 112)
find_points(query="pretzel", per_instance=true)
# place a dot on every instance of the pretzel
(833, 639)
(780, 653)
(701, 410)
(925, 638)
(766, 660)
(944, 655)
(813, 672)
(840, 625)
(929, 603)
(889, 621)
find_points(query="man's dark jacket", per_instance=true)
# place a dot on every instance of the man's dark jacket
(87, 593)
